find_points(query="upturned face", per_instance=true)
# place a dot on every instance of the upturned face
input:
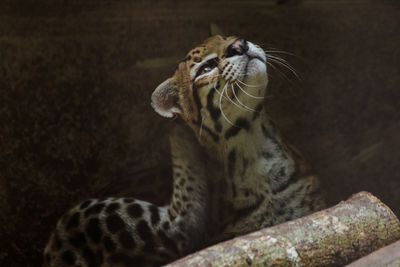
(217, 89)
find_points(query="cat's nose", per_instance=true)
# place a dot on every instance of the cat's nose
(238, 47)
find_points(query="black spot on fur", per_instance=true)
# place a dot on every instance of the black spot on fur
(267, 135)
(112, 207)
(214, 136)
(182, 226)
(243, 213)
(218, 127)
(89, 257)
(57, 243)
(257, 111)
(176, 166)
(280, 212)
(93, 230)
(68, 257)
(99, 257)
(146, 235)
(121, 258)
(240, 124)
(135, 211)
(285, 183)
(126, 240)
(196, 98)
(246, 192)
(114, 223)
(181, 237)
(266, 155)
(189, 189)
(144, 230)
(109, 244)
(234, 193)
(128, 200)
(182, 182)
(77, 239)
(95, 209)
(214, 111)
(73, 221)
(165, 226)
(281, 172)
(231, 162)
(168, 242)
(155, 216)
(85, 204)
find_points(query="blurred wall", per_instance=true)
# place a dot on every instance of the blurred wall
(76, 79)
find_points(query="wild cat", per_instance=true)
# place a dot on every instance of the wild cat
(232, 172)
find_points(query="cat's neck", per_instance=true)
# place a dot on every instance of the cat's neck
(256, 158)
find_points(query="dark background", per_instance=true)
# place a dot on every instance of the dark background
(76, 79)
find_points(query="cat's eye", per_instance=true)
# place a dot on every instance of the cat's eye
(207, 67)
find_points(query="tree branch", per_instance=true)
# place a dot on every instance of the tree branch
(334, 236)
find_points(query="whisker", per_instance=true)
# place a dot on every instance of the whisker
(288, 67)
(220, 106)
(233, 102)
(283, 63)
(279, 59)
(219, 92)
(201, 128)
(280, 72)
(279, 52)
(237, 99)
(248, 85)
(244, 91)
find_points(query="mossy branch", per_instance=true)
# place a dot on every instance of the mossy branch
(331, 237)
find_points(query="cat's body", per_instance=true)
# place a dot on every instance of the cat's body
(237, 176)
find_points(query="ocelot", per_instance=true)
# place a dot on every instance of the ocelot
(233, 173)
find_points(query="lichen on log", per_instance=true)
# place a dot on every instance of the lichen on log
(331, 237)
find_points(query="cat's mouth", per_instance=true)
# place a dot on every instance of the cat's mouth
(256, 60)
(250, 62)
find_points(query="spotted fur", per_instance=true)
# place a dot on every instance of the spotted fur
(130, 232)
(257, 178)
(235, 176)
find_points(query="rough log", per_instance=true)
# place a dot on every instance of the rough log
(331, 237)
(386, 256)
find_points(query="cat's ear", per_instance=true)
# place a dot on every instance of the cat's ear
(165, 99)
(215, 30)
